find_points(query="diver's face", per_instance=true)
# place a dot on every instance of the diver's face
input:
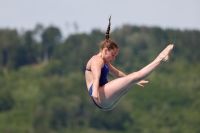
(110, 55)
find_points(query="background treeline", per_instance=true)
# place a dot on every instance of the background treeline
(42, 85)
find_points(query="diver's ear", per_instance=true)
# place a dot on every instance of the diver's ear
(105, 50)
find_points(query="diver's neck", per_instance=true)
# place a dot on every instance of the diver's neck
(100, 55)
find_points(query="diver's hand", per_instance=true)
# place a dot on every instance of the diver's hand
(142, 82)
(95, 95)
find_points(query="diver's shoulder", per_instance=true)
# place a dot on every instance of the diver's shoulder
(97, 60)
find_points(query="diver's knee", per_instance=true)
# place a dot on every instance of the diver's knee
(136, 76)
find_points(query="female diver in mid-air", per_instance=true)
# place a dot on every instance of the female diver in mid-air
(104, 94)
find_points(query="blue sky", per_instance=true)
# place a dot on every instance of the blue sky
(93, 14)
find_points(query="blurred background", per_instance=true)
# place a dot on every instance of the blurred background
(45, 45)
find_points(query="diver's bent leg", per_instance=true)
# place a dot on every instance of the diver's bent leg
(115, 103)
(115, 89)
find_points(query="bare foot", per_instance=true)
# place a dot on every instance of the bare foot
(164, 55)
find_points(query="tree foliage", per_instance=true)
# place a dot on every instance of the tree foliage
(52, 97)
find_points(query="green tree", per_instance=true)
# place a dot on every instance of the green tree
(9, 40)
(50, 38)
(6, 100)
(31, 47)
